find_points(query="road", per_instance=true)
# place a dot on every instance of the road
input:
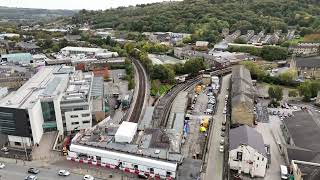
(215, 157)
(19, 172)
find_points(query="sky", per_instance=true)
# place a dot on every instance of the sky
(73, 4)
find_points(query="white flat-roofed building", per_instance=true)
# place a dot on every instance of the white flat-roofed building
(21, 112)
(82, 50)
(76, 102)
(9, 35)
(126, 132)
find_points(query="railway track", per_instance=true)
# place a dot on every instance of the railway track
(138, 106)
(162, 110)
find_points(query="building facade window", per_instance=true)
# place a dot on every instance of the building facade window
(74, 116)
(239, 156)
(85, 115)
(74, 123)
(48, 111)
(85, 122)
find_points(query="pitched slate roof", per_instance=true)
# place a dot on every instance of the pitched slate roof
(310, 62)
(249, 136)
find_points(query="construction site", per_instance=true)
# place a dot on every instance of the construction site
(163, 141)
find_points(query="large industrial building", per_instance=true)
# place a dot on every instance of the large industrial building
(242, 97)
(57, 98)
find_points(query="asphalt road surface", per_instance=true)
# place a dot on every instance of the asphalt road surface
(215, 161)
(18, 172)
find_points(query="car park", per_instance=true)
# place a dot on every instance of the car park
(63, 172)
(31, 177)
(33, 170)
(88, 177)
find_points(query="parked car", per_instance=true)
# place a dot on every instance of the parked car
(33, 170)
(210, 106)
(209, 94)
(5, 149)
(31, 177)
(211, 101)
(88, 177)
(222, 141)
(283, 172)
(223, 128)
(224, 110)
(222, 134)
(63, 172)
(192, 107)
(221, 149)
(208, 111)
(2, 165)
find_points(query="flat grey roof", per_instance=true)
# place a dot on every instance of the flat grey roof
(304, 131)
(97, 87)
(29, 93)
(146, 121)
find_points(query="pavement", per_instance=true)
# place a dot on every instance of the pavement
(44, 150)
(215, 159)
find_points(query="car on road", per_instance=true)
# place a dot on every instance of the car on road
(31, 177)
(222, 141)
(222, 134)
(224, 110)
(192, 107)
(33, 170)
(88, 177)
(63, 172)
(221, 149)
(5, 149)
(2, 165)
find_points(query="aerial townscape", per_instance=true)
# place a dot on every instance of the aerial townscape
(185, 90)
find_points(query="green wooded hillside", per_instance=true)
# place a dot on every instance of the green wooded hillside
(205, 19)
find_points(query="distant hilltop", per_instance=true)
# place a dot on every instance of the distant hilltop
(26, 14)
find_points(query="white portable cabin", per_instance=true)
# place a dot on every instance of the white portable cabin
(126, 132)
(133, 162)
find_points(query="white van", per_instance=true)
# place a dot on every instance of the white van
(284, 172)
